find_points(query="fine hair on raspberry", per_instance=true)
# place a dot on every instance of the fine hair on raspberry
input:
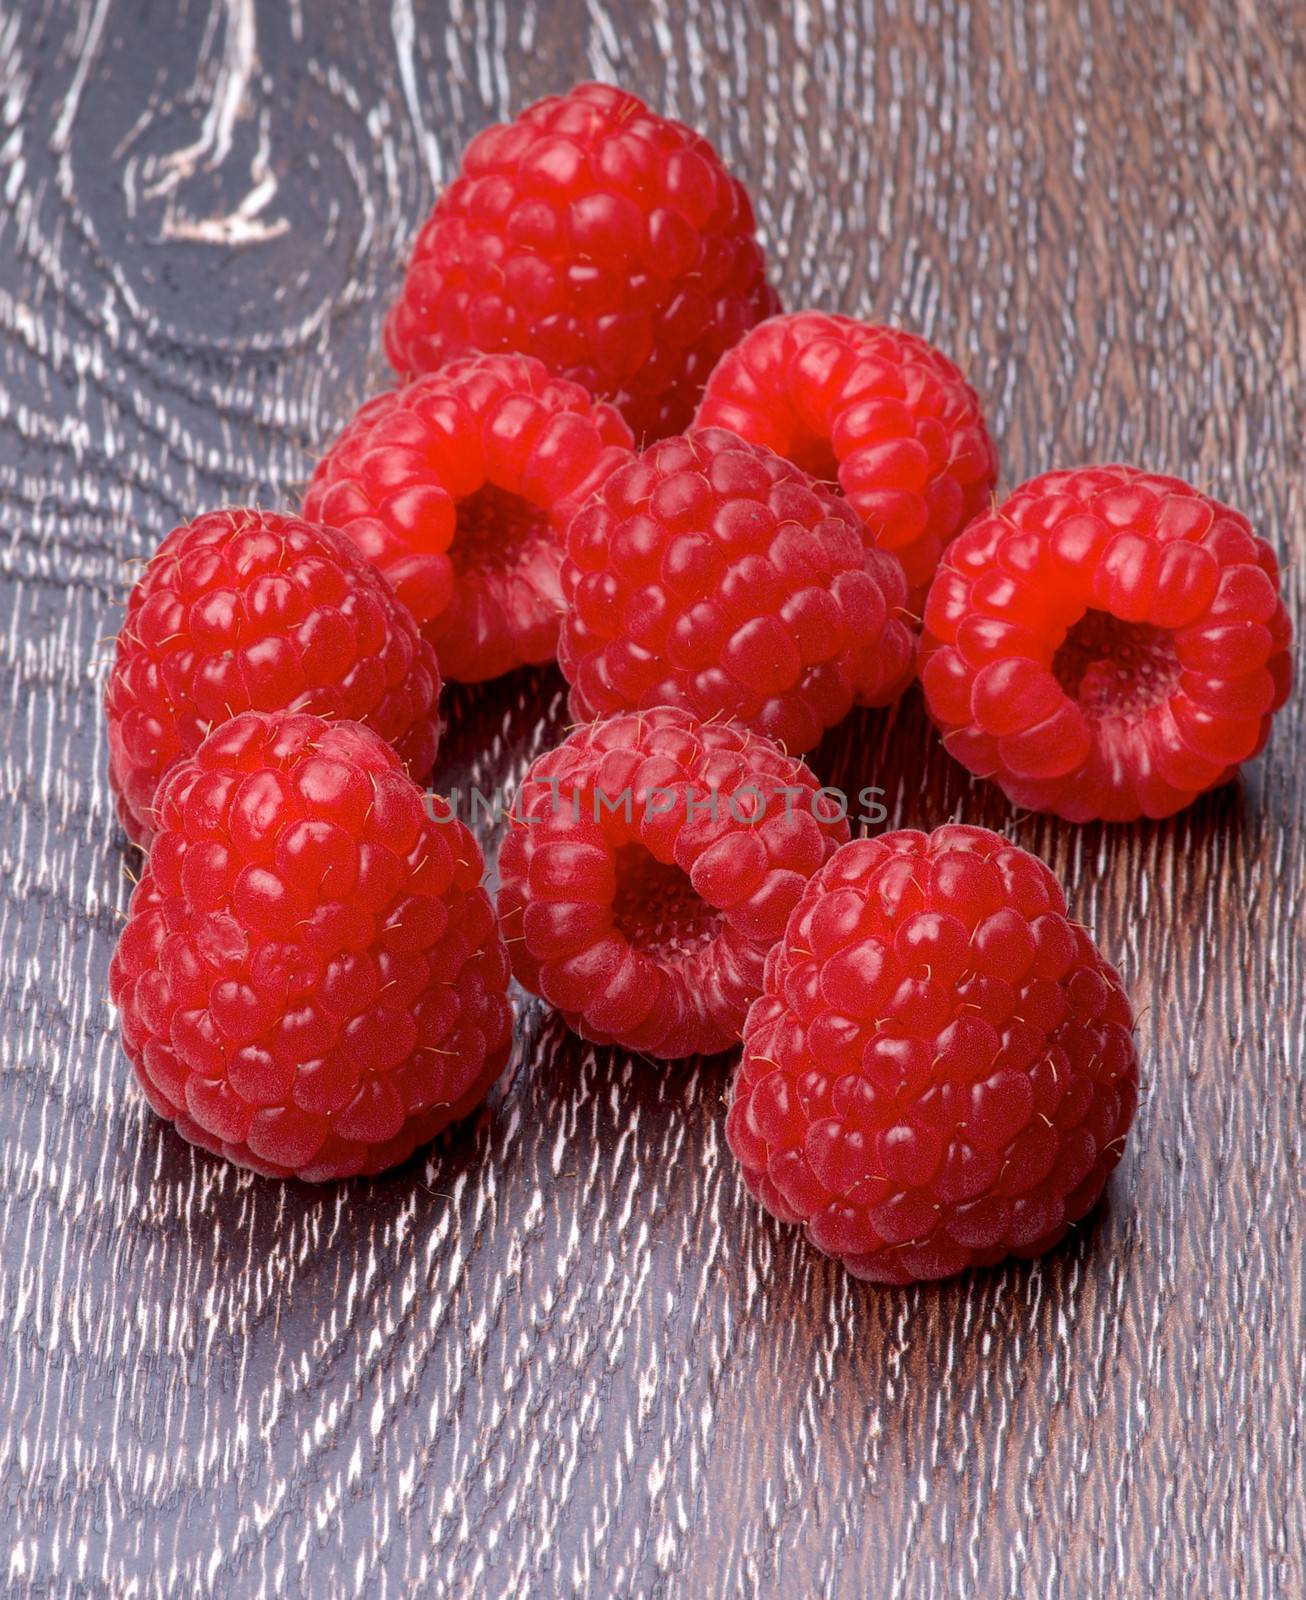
(310, 980)
(650, 863)
(459, 487)
(877, 409)
(251, 610)
(607, 240)
(1108, 643)
(941, 1069)
(714, 575)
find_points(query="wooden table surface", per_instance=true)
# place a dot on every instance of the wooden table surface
(563, 1354)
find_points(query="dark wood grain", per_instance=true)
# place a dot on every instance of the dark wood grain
(562, 1353)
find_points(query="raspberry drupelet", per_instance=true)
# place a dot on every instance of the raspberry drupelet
(650, 863)
(459, 488)
(608, 241)
(877, 409)
(941, 1071)
(1106, 644)
(249, 610)
(310, 980)
(714, 575)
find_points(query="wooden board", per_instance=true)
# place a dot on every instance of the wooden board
(564, 1354)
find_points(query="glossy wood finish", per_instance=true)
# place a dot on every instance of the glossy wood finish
(563, 1354)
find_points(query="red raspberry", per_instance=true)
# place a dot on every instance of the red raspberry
(459, 488)
(1108, 643)
(881, 410)
(941, 1070)
(713, 575)
(636, 902)
(610, 242)
(310, 979)
(244, 610)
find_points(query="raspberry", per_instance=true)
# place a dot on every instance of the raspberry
(1108, 643)
(941, 1069)
(649, 866)
(713, 575)
(459, 487)
(608, 241)
(244, 610)
(881, 410)
(310, 979)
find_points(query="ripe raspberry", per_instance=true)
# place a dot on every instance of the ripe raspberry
(310, 979)
(712, 575)
(881, 410)
(459, 488)
(244, 610)
(1108, 643)
(941, 1070)
(636, 902)
(608, 241)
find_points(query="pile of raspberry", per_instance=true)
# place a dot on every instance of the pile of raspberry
(731, 527)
